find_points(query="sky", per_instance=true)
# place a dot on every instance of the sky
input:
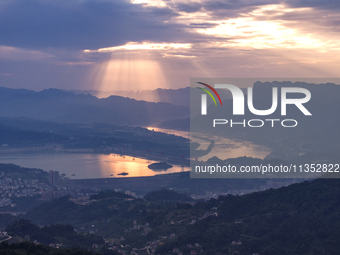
(147, 44)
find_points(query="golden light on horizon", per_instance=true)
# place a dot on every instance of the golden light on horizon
(144, 46)
(247, 32)
(260, 41)
(136, 66)
(131, 74)
(150, 3)
(261, 28)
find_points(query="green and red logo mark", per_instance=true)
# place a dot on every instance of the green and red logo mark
(209, 93)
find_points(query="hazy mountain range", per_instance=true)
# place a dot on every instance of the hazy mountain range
(316, 133)
(172, 96)
(67, 107)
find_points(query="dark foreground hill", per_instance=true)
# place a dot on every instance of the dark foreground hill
(302, 218)
(61, 234)
(34, 249)
(165, 195)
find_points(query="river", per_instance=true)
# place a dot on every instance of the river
(88, 165)
(85, 166)
(224, 148)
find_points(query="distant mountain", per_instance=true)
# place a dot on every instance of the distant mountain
(7, 92)
(173, 96)
(21, 138)
(67, 107)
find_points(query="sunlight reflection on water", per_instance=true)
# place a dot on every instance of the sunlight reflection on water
(84, 166)
(224, 148)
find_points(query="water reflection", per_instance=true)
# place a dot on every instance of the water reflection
(184, 134)
(224, 148)
(227, 148)
(84, 166)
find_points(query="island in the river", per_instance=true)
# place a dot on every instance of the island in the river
(159, 166)
(124, 174)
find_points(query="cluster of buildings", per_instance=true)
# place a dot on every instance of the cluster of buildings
(16, 187)
(194, 249)
(128, 192)
(6, 202)
(3, 234)
(80, 195)
(53, 194)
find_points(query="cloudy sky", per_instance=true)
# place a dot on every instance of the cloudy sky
(141, 44)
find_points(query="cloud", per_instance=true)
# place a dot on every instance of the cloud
(189, 7)
(17, 54)
(319, 4)
(144, 46)
(87, 24)
(166, 55)
(52, 39)
(105, 24)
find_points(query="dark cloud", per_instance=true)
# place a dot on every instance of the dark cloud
(88, 24)
(202, 25)
(229, 5)
(223, 9)
(38, 75)
(232, 6)
(93, 24)
(319, 4)
(189, 7)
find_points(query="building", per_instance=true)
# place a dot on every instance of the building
(54, 177)
(51, 177)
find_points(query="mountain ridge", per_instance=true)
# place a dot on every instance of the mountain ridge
(67, 107)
